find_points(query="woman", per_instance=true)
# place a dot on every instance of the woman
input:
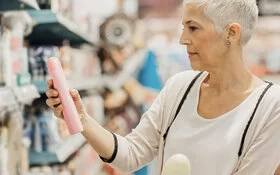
(225, 120)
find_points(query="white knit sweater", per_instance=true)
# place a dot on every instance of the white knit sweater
(261, 151)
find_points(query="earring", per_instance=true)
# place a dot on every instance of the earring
(228, 42)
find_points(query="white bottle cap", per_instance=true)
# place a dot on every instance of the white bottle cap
(178, 164)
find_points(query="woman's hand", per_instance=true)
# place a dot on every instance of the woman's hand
(54, 101)
(99, 138)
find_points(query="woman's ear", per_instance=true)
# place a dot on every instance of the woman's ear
(233, 32)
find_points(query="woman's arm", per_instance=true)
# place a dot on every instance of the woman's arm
(128, 153)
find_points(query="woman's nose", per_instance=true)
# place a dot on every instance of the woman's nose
(185, 41)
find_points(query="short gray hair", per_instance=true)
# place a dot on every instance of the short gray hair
(224, 12)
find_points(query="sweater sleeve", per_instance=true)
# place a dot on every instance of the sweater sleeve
(263, 156)
(141, 146)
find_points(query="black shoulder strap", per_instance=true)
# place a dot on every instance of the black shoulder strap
(181, 104)
(251, 118)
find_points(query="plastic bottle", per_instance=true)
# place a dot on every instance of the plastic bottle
(177, 164)
(70, 113)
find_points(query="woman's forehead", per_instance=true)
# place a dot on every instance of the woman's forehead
(194, 13)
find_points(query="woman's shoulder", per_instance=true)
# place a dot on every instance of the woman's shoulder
(271, 101)
(274, 93)
(178, 84)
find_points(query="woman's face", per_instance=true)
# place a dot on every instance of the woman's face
(204, 45)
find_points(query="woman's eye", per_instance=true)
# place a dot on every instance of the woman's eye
(192, 28)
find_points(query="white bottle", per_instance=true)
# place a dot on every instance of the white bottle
(177, 164)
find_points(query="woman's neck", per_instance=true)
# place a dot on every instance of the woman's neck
(231, 75)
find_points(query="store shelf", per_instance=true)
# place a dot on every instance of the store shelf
(11, 96)
(26, 93)
(62, 153)
(9, 5)
(53, 29)
(40, 85)
(7, 97)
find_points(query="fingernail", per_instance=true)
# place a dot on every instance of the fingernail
(72, 92)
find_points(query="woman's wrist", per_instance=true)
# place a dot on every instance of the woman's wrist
(84, 118)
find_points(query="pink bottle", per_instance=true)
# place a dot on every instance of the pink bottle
(70, 113)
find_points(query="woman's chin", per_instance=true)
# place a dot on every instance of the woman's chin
(196, 67)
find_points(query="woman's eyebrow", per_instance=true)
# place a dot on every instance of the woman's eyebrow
(189, 21)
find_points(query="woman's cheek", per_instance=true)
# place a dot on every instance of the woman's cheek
(206, 40)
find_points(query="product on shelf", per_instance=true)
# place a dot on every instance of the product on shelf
(64, 7)
(80, 66)
(86, 162)
(84, 64)
(15, 146)
(21, 67)
(94, 105)
(66, 60)
(38, 57)
(41, 128)
(118, 125)
(110, 170)
(2, 80)
(132, 115)
(117, 30)
(47, 170)
(9, 77)
(115, 99)
(36, 170)
(36, 135)
(19, 54)
(14, 53)
(123, 119)
(118, 57)
(108, 65)
(136, 91)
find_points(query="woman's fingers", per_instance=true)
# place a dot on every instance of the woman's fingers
(58, 111)
(51, 93)
(50, 84)
(52, 102)
(77, 99)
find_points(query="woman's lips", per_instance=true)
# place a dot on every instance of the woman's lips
(192, 54)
